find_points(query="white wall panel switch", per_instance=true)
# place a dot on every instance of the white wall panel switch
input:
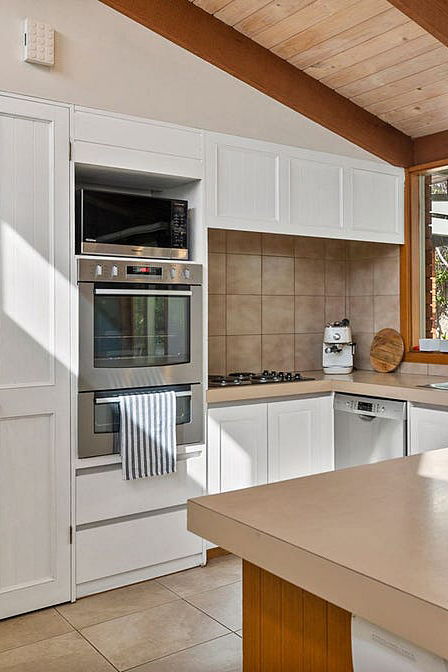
(38, 42)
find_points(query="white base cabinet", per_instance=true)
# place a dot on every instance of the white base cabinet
(428, 429)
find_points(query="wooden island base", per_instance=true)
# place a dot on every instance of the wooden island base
(286, 629)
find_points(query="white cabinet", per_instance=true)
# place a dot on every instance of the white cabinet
(300, 437)
(237, 447)
(376, 205)
(428, 429)
(34, 356)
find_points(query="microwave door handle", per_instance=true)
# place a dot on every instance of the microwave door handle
(143, 292)
(114, 400)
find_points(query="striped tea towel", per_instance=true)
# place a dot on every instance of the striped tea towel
(147, 434)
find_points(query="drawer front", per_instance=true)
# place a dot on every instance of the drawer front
(101, 495)
(133, 544)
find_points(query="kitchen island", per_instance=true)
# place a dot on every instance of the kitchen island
(370, 541)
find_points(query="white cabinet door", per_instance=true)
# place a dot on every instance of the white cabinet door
(428, 429)
(237, 447)
(34, 356)
(243, 182)
(374, 205)
(300, 438)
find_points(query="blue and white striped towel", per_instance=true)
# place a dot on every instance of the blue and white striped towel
(147, 434)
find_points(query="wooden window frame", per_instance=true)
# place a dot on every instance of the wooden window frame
(409, 262)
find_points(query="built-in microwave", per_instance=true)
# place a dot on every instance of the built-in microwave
(131, 225)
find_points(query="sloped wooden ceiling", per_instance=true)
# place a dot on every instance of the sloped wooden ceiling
(366, 50)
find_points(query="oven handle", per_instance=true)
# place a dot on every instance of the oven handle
(143, 292)
(114, 400)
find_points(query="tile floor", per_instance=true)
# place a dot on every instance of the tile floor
(185, 622)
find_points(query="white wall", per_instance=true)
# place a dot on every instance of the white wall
(107, 61)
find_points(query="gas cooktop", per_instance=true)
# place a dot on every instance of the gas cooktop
(245, 378)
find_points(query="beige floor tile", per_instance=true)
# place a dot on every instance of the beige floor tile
(115, 603)
(30, 628)
(224, 604)
(218, 572)
(66, 653)
(139, 638)
(220, 655)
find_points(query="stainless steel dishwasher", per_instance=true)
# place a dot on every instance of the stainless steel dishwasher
(367, 430)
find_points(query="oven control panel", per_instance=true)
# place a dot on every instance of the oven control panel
(107, 270)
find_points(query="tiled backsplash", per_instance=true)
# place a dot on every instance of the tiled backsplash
(270, 296)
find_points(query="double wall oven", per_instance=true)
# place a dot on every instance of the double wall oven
(140, 330)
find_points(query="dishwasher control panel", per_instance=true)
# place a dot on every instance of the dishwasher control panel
(385, 408)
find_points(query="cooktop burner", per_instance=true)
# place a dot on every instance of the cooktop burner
(246, 378)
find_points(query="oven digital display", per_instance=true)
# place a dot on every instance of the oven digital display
(365, 406)
(145, 270)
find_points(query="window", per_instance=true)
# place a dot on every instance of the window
(425, 265)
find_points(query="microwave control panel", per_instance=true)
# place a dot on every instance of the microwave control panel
(107, 270)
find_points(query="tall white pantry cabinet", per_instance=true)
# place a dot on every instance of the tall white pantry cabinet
(34, 356)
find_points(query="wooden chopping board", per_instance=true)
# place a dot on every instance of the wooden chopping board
(386, 351)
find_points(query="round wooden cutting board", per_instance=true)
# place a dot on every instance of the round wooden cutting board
(386, 351)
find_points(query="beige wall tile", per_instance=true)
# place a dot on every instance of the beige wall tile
(216, 273)
(359, 249)
(309, 315)
(217, 355)
(386, 312)
(217, 315)
(438, 370)
(335, 249)
(277, 315)
(243, 242)
(308, 352)
(309, 277)
(362, 351)
(413, 367)
(216, 240)
(243, 314)
(243, 353)
(278, 275)
(335, 308)
(243, 274)
(278, 245)
(335, 272)
(361, 277)
(386, 275)
(278, 352)
(360, 313)
(309, 248)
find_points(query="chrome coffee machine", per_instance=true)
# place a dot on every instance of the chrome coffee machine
(338, 348)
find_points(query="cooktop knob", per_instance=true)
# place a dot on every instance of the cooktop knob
(288, 376)
(265, 373)
(297, 376)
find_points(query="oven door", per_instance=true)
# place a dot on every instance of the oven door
(99, 418)
(137, 336)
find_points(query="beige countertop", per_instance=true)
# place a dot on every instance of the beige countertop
(387, 385)
(370, 539)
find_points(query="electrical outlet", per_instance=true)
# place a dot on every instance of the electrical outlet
(38, 42)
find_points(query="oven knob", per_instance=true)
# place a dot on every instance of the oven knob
(114, 271)
(98, 270)
(187, 273)
(172, 273)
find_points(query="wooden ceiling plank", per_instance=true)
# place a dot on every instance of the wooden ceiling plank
(211, 6)
(431, 124)
(406, 50)
(413, 96)
(214, 41)
(310, 59)
(415, 110)
(369, 49)
(237, 10)
(430, 14)
(274, 12)
(300, 21)
(395, 73)
(339, 22)
(437, 74)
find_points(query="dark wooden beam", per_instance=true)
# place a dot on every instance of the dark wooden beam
(195, 30)
(430, 148)
(432, 15)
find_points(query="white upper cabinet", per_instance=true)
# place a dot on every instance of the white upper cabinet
(260, 186)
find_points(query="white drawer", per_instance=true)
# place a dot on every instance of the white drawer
(101, 495)
(133, 544)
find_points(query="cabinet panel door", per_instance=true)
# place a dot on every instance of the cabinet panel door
(34, 357)
(237, 447)
(428, 429)
(377, 205)
(316, 196)
(300, 438)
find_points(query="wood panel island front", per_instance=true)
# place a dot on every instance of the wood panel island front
(370, 541)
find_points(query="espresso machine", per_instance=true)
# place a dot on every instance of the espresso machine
(338, 348)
